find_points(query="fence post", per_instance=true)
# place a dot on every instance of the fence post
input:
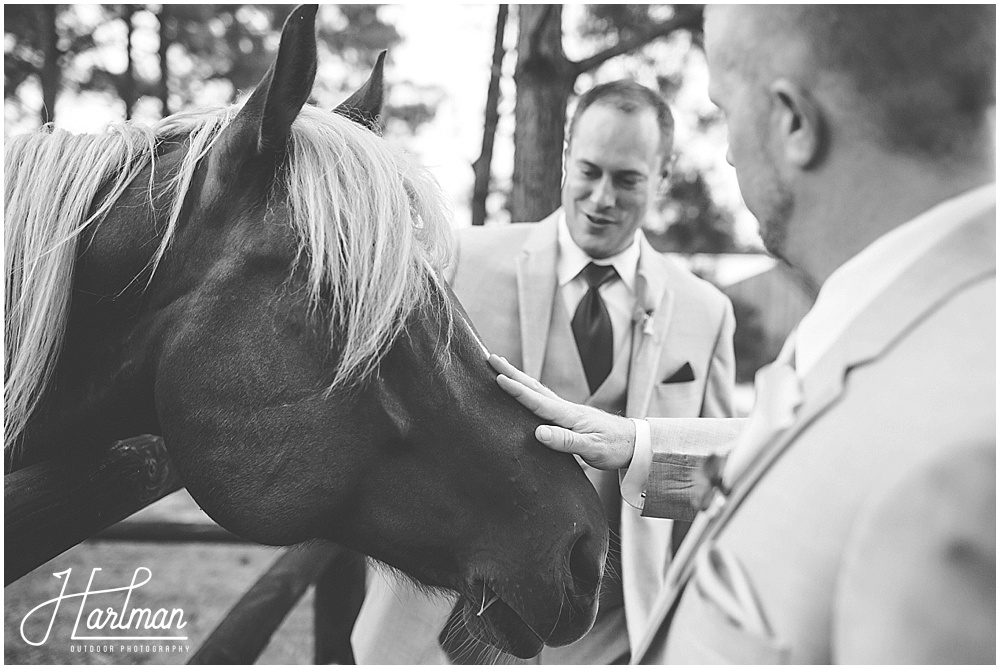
(247, 628)
(337, 601)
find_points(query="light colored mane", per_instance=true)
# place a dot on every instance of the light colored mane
(372, 226)
(375, 227)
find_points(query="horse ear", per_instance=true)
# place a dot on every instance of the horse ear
(365, 105)
(283, 91)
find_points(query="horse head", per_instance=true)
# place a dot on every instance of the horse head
(262, 292)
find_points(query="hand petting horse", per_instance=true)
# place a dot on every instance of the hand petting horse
(260, 286)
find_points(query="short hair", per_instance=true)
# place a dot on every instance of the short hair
(629, 97)
(924, 74)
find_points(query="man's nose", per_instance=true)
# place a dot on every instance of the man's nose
(603, 194)
(729, 154)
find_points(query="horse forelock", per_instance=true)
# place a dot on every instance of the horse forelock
(375, 228)
(372, 224)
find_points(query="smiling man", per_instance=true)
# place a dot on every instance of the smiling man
(582, 301)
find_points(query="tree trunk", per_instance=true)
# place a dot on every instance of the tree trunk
(50, 74)
(482, 167)
(544, 79)
(128, 81)
(163, 88)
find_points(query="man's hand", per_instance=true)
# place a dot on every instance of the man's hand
(603, 440)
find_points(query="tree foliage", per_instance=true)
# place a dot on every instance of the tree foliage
(201, 52)
(689, 220)
(39, 41)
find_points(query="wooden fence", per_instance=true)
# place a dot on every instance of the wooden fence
(52, 506)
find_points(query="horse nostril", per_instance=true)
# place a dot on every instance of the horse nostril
(586, 564)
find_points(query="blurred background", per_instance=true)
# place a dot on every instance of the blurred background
(476, 92)
(479, 93)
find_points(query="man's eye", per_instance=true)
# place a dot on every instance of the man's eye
(590, 172)
(629, 182)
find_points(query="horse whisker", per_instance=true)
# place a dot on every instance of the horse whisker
(485, 605)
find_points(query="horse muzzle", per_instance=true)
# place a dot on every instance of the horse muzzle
(520, 616)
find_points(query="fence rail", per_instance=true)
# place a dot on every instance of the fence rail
(167, 532)
(53, 506)
(247, 628)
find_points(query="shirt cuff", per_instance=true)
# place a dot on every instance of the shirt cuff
(633, 483)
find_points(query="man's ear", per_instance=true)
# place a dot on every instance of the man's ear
(799, 124)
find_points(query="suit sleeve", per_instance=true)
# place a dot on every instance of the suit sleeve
(918, 580)
(680, 445)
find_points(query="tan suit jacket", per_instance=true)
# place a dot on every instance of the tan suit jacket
(506, 279)
(865, 532)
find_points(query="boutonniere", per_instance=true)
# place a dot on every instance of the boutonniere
(642, 314)
(644, 319)
(647, 322)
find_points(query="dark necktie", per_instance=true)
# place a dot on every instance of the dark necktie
(592, 327)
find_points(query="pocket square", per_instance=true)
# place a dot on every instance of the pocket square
(685, 373)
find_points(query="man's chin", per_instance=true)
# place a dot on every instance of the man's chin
(601, 241)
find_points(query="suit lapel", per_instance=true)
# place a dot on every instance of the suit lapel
(654, 305)
(536, 289)
(963, 257)
(642, 564)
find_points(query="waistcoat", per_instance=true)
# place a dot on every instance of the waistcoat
(562, 371)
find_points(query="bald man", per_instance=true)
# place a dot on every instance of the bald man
(852, 517)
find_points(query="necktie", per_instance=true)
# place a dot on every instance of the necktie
(592, 327)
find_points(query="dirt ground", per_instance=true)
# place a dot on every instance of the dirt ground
(204, 580)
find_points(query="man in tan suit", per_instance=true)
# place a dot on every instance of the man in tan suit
(852, 517)
(642, 337)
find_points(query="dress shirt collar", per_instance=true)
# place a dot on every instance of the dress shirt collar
(856, 283)
(572, 259)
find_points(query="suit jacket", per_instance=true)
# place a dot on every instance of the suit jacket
(866, 531)
(506, 279)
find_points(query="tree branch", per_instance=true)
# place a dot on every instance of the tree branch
(686, 18)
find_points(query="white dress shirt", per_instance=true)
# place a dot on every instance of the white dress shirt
(843, 297)
(618, 294)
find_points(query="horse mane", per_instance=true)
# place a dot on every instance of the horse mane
(390, 234)
(372, 226)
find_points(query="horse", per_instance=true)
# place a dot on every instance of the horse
(261, 284)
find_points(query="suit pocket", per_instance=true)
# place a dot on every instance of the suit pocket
(677, 400)
(719, 619)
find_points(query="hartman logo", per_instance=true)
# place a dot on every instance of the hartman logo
(102, 623)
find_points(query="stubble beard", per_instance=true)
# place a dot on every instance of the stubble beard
(774, 221)
(774, 234)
